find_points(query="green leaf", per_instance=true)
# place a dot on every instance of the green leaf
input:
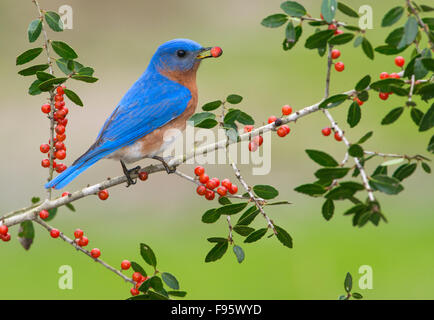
(365, 137)
(73, 97)
(383, 85)
(290, 32)
(426, 8)
(290, 43)
(356, 295)
(416, 115)
(340, 193)
(427, 121)
(386, 184)
(392, 16)
(410, 32)
(328, 208)
(392, 162)
(232, 116)
(211, 105)
(44, 76)
(311, 189)
(275, 20)
(428, 63)
(138, 268)
(354, 114)
(28, 55)
(430, 147)
(283, 236)
(170, 280)
(180, 294)
(217, 239)
(328, 9)
(52, 214)
(63, 50)
(341, 38)
(248, 216)
(85, 71)
(48, 84)
(363, 83)
(333, 101)
(426, 167)
(224, 201)
(367, 48)
(255, 236)
(234, 98)
(239, 253)
(34, 88)
(200, 117)
(34, 30)
(64, 65)
(331, 173)
(33, 69)
(243, 230)
(217, 251)
(26, 234)
(395, 37)
(404, 171)
(352, 185)
(347, 10)
(87, 79)
(358, 41)
(426, 92)
(356, 151)
(70, 207)
(392, 116)
(231, 209)
(210, 216)
(245, 119)
(318, 39)
(293, 8)
(388, 50)
(348, 284)
(54, 21)
(148, 255)
(265, 191)
(322, 158)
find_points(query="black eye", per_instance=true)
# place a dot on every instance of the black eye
(180, 53)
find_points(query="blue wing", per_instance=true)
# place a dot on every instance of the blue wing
(149, 104)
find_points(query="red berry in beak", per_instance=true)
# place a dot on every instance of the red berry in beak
(216, 52)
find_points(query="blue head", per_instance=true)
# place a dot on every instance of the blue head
(180, 55)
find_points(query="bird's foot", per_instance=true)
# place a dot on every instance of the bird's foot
(128, 173)
(169, 170)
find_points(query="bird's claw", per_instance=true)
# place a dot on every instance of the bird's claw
(128, 173)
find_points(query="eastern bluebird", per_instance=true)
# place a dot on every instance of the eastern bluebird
(163, 98)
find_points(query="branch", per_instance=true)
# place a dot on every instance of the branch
(417, 157)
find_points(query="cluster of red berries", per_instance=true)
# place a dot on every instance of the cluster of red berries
(82, 241)
(59, 151)
(339, 66)
(399, 62)
(208, 185)
(137, 277)
(327, 131)
(4, 235)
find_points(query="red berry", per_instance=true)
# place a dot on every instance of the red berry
(59, 145)
(339, 66)
(65, 194)
(59, 105)
(58, 97)
(217, 181)
(60, 90)
(83, 241)
(258, 140)
(227, 183)
(6, 237)
(286, 110)
(222, 191)
(43, 214)
(271, 119)
(46, 108)
(216, 52)
(3, 230)
(78, 233)
(199, 171)
(201, 190)
(204, 178)
(63, 122)
(233, 189)
(394, 75)
(60, 115)
(54, 233)
(44, 148)
(399, 61)
(209, 195)
(103, 194)
(336, 53)
(64, 110)
(253, 146)
(134, 292)
(125, 265)
(383, 95)
(326, 131)
(359, 102)
(137, 276)
(95, 253)
(248, 128)
(45, 163)
(143, 175)
(384, 75)
(211, 184)
(286, 128)
(60, 154)
(332, 27)
(283, 131)
(338, 32)
(60, 137)
(60, 129)
(338, 137)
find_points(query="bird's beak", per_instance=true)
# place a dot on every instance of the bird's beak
(204, 53)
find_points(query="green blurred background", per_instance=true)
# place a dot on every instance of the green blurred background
(117, 39)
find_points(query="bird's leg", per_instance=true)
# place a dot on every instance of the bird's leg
(128, 173)
(166, 166)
